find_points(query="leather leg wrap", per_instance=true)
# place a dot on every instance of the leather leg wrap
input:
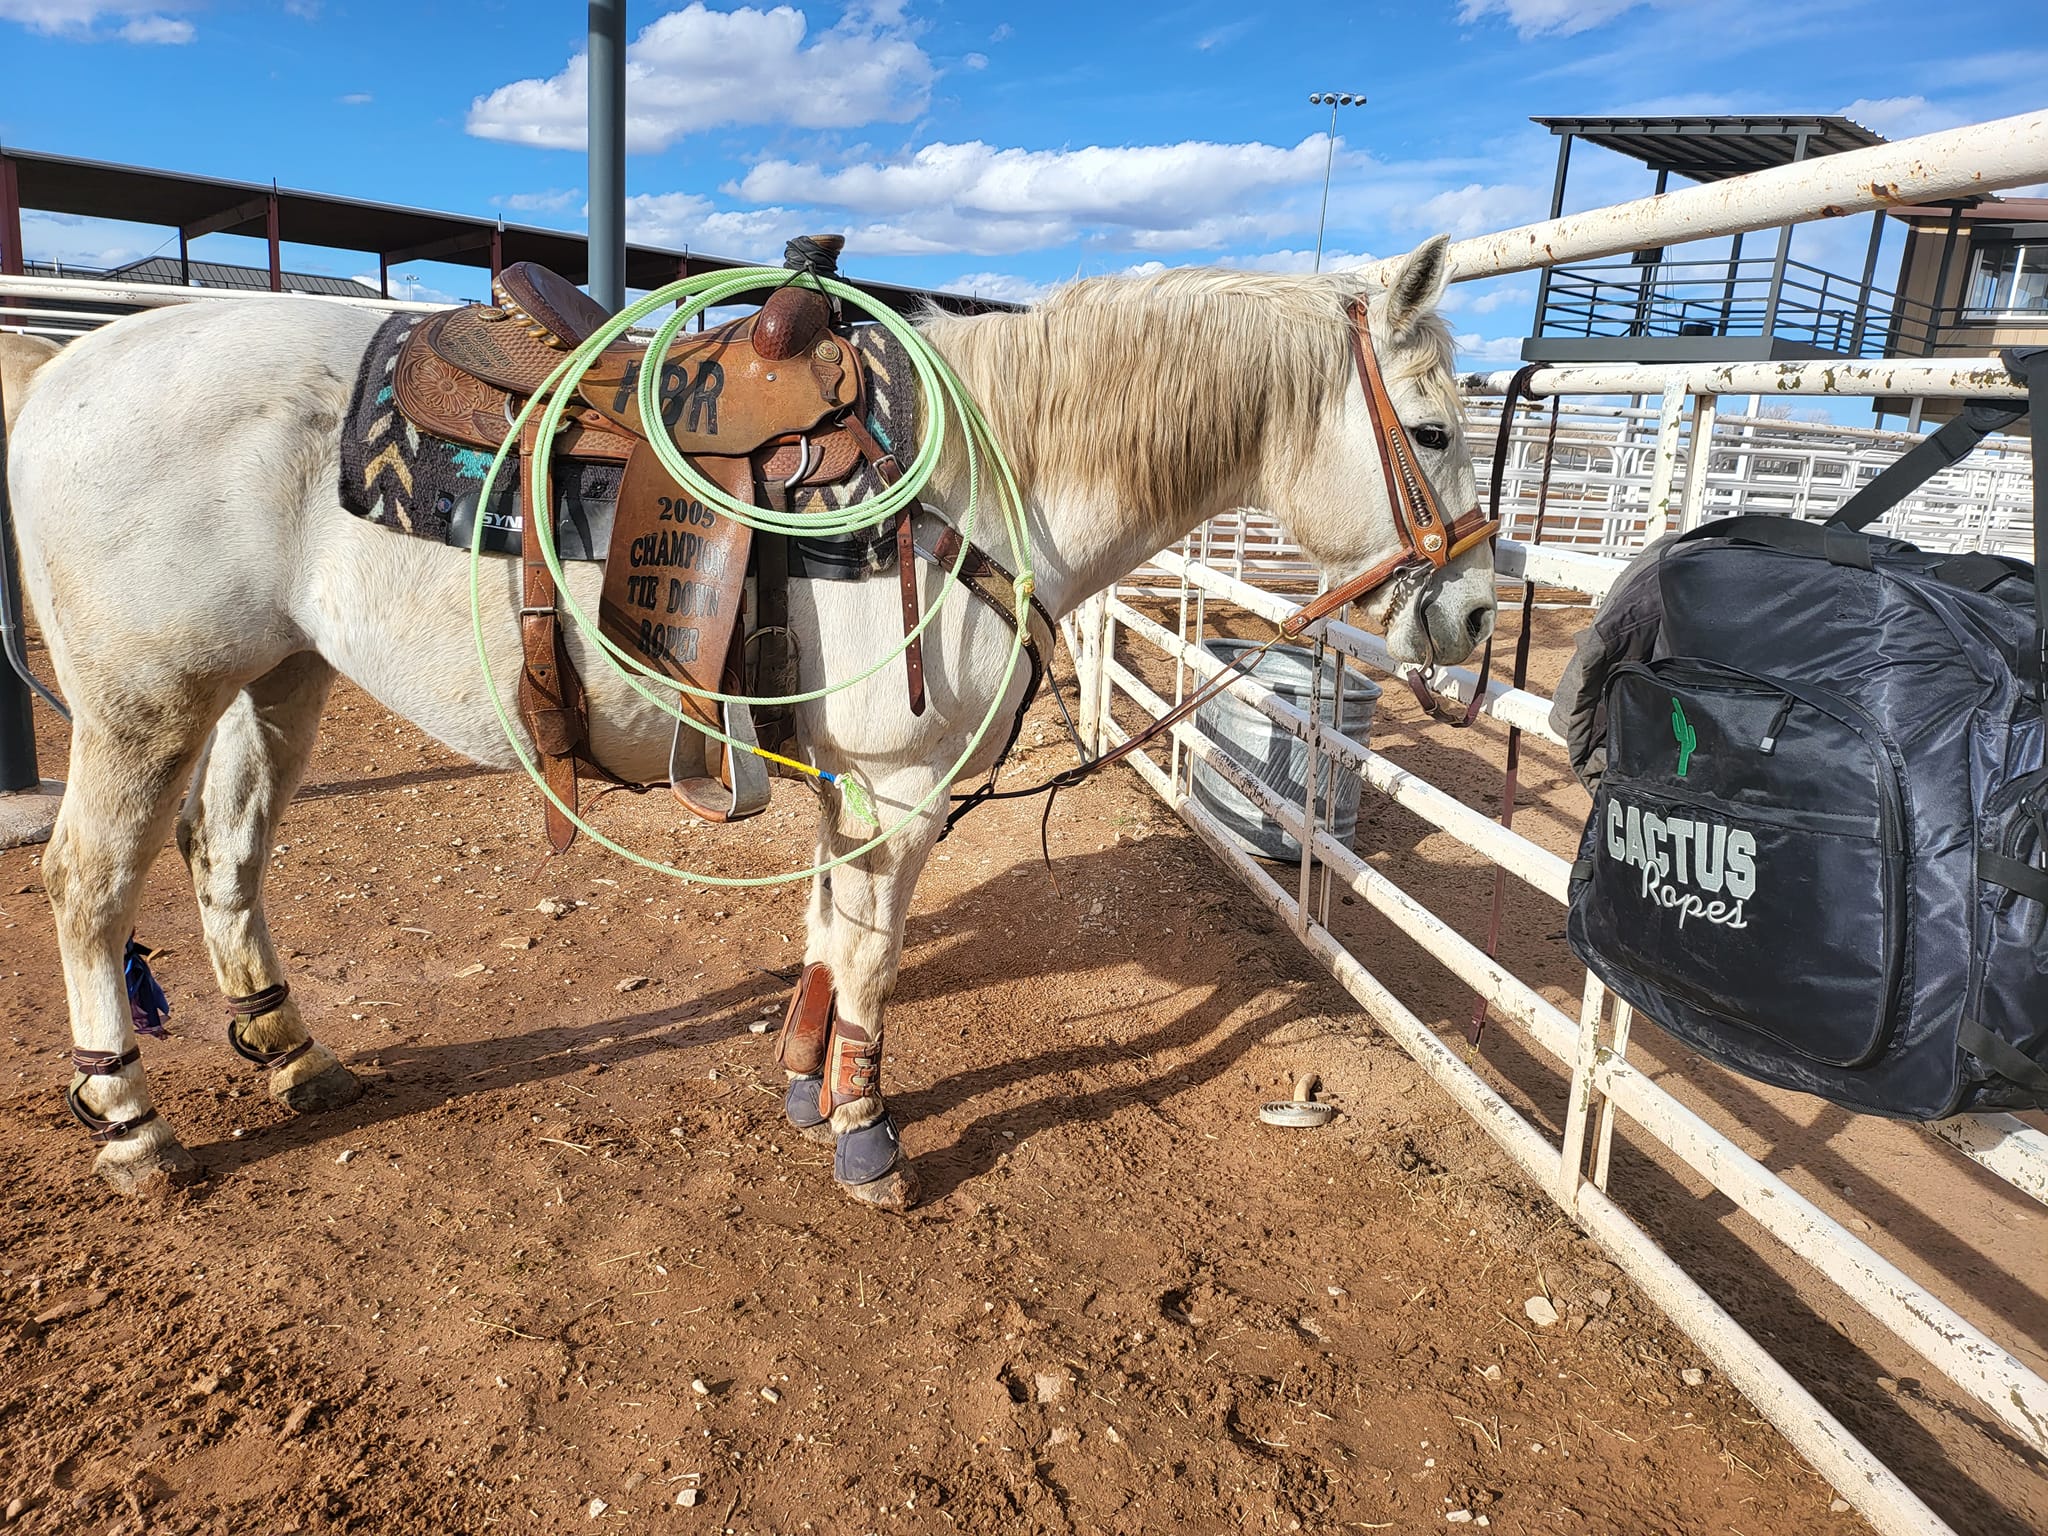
(244, 1011)
(853, 1070)
(807, 1024)
(98, 1129)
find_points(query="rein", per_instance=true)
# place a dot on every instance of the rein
(1429, 542)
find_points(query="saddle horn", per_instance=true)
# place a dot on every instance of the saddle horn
(796, 317)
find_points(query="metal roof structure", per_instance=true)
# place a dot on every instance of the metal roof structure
(1713, 148)
(2030, 213)
(204, 205)
(222, 274)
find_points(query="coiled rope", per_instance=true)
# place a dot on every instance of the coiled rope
(946, 408)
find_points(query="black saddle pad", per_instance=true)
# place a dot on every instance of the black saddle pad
(395, 475)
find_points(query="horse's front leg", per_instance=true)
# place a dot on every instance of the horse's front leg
(835, 1026)
(259, 750)
(807, 1022)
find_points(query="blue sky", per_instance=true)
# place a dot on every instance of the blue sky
(989, 146)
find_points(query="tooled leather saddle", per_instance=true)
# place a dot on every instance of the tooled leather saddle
(769, 407)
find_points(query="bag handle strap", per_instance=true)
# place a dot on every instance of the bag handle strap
(2031, 365)
(1924, 460)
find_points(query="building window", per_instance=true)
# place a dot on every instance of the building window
(2008, 279)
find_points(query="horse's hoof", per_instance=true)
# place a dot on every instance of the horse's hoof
(164, 1168)
(868, 1163)
(896, 1190)
(332, 1089)
(822, 1133)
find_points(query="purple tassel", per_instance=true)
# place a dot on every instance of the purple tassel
(147, 1005)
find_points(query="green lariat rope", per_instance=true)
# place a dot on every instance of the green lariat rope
(947, 407)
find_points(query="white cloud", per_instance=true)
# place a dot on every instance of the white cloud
(1489, 294)
(866, 69)
(1297, 261)
(76, 241)
(1476, 210)
(1005, 286)
(1533, 18)
(975, 197)
(357, 99)
(684, 219)
(554, 200)
(76, 18)
(411, 288)
(158, 29)
(1901, 117)
(976, 61)
(1476, 351)
(1223, 36)
(1003, 33)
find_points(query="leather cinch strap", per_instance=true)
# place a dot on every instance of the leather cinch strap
(1427, 538)
(550, 693)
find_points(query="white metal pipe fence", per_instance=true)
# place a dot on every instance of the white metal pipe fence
(1623, 475)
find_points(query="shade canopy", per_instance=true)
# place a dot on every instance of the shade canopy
(1714, 148)
(202, 205)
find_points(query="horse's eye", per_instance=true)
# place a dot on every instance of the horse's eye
(1432, 437)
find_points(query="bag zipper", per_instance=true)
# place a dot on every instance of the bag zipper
(1770, 742)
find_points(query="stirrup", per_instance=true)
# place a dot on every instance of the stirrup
(701, 794)
(247, 1010)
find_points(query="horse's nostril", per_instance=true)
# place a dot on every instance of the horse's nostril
(1479, 623)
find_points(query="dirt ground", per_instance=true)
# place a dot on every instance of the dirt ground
(563, 1268)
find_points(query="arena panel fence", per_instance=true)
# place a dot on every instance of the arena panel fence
(1626, 475)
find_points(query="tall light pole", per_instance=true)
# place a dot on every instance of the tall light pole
(1335, 99)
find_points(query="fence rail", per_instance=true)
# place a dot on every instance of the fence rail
(1620, 475)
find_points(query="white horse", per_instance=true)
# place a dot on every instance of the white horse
(175, 476)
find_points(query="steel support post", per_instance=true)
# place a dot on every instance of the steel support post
(271, 233)
(607, 128)
(1564, 161)
(12, 261)
(1948, 256)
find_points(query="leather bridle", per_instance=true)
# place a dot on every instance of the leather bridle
(1429, 541)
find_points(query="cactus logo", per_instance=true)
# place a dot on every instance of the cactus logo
(1681, 728)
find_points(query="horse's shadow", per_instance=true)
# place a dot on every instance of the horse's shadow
(978, 930)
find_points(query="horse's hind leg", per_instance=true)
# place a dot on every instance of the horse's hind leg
(127, 765)
(252, 768)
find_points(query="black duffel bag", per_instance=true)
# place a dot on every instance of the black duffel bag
(1819, 846)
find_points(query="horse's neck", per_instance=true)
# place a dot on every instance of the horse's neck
(1082, 538)
(1078, 548)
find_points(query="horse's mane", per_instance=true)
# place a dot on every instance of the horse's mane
(1159, 389)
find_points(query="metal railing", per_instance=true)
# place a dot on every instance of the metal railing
(1725, 297)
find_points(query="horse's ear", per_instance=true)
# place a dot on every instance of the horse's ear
(1418, 283)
